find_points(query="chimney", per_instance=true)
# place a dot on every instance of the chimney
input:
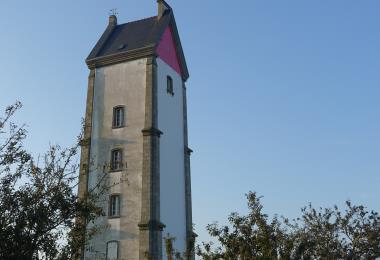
(162, 7)
(112, 20)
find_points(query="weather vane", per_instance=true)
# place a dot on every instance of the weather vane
(113, 12)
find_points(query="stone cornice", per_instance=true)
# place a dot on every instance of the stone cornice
(188, 151)
(121, 57)
(85, 142)
(151, 225)
(151, 132)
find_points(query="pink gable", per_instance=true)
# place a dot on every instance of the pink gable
(166, 50)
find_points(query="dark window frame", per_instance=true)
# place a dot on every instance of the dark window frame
(115, 123)
(118, 246)
(169, 85)
(110, 208)
(112, 162)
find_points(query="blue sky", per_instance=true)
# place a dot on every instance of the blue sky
(283, 95)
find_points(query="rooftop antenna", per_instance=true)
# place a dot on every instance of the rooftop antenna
(113, 17)
(113, 12)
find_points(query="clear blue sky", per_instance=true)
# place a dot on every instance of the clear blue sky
(283, 95)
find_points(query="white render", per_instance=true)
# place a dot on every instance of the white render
(172, 168)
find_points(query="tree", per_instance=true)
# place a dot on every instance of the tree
(317, 234)
(38, 200)
(173, 254)
(332, 234)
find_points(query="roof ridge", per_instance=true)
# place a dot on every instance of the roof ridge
(140, 20)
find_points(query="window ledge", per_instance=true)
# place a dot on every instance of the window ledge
(114, 217)
(117, 170)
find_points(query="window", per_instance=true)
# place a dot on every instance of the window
(169, 87)
(114, 206)
(116, 160)
(118, 117)
(112, 252)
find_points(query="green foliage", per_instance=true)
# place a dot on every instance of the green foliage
(170, 252)
(317, 234)
(173, 254)
(38, 201)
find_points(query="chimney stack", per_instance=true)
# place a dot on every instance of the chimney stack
(162, 7)
(112, 20)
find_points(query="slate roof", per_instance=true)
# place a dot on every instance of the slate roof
(129, 37)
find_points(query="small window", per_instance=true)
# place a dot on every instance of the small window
(112, 252)
(116, 160)
(118, 117)
(114, 206)
(169, 86)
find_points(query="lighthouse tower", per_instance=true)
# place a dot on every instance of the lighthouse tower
(136, 135)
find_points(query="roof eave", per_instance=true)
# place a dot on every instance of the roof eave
(120, 57)
(180, 53)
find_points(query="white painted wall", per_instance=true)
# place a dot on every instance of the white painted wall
(120, 84)
(172, 185)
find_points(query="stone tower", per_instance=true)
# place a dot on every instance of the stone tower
(136, 136)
